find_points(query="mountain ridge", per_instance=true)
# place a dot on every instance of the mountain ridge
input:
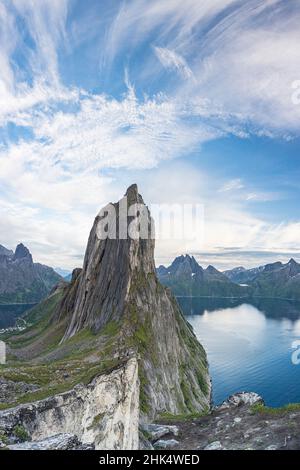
(185, 277)
(276, 280)
(22, 280)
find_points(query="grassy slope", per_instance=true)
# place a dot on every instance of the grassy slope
(35, 355)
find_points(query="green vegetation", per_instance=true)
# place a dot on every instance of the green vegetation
(110, 329)
(21, 433)
(144, 401)
(96, 421)
(3, 438)
(52, 378)
(265, 410)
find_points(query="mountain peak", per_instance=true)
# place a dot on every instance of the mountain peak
(133, 196)
(110, 266)
(118, 285)
(185, 263)
(292, 262)
(212, 270)
(22, 252)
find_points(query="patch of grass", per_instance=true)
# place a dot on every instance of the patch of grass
(82, 335)
(21, 433)
(110, 329)
(38, 319)
(266, 410)
(55, 383)
(147, 435)
(3, 438)
(96, 421)
(144, 400)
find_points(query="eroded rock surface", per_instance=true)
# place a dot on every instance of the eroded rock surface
(118, 285)
(104, 413)
(58, 442)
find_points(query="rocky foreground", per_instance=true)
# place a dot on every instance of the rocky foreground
(241, 423)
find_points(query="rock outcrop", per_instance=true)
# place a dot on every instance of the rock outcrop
(118, 284)
(22, 280)
(242, 422)
(103, 414)
(57, 442)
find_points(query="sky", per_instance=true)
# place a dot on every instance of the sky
(196, 102)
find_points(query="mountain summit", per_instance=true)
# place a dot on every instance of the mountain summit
(185, 277)
(118, 288)
(22, 280)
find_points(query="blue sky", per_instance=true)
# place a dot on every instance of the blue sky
(196, 101)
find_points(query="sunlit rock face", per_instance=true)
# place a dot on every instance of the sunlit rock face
(104, 414)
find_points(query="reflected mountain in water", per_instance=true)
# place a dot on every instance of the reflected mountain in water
(249, 345)
(271, 308)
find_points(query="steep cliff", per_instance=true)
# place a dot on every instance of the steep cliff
(104, 413)
(118, 285)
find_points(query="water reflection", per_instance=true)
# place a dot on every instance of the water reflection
(249, 345)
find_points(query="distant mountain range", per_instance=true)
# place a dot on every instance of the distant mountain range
(63, 273)
(22, 280)
(185, 277)
(275, 280)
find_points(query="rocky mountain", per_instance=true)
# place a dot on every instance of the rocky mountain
(241, 275)
(22, 280)
(275, 280)
(118, 285)
(114, 323)
(185, 277)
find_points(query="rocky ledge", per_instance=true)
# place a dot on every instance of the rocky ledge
(242, 422)
(103, 414)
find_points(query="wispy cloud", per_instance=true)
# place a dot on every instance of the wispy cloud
(237, 60)
(232, 185)
(173, 61)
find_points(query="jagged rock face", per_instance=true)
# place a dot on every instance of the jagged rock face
(105, 280)
(118, 284)
(58, 442)
(22, 252)
(22, 280)
(104, 413)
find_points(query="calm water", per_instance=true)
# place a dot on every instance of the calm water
(249, 346)
(10, 313)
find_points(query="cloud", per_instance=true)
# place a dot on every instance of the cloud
(247, 63)
(137, 20)
(231, 185)
(244, 57)
(170, 60)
